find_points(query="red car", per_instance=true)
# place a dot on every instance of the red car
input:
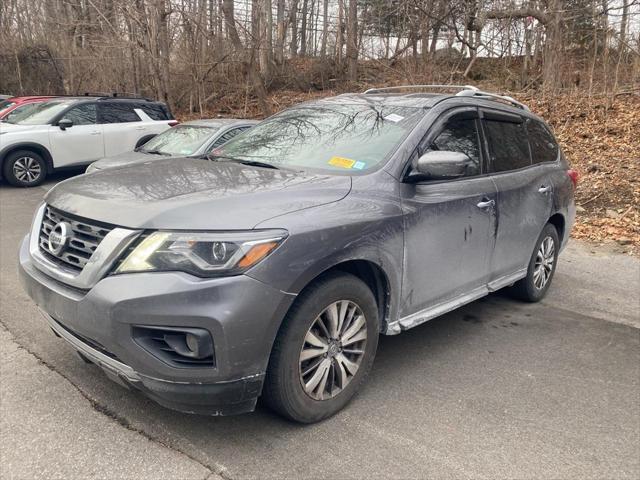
(19, 104)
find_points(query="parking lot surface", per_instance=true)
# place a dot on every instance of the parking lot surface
(497, 389)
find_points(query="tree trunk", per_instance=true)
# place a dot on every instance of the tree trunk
(293, 20)
(249, 64)
(340, 32)
(266, 39)
(325, 27)
(352, 40)
(281, 33)
(553, 47)
(163, 49)
(303, 28)
(624, 22)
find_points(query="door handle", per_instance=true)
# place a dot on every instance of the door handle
(141, 128)
(544, 189)
(95, 132)
(486, 204)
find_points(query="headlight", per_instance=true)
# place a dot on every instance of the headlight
(91, 168)
(202, 254)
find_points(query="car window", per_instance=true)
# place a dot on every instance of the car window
(225, 137)
(84, 114)
(460, 134)
(180, 140)
(43, 114)
(154, 111)
(4, 104)
(26, 109)
(543, 146)
(329, 137)
(508, 146)
(118, 113)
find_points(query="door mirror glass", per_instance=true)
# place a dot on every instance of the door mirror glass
(65, 123)
(440, 165)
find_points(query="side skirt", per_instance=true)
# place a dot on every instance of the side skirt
(429, 313)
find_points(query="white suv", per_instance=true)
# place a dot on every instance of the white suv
(75, 131)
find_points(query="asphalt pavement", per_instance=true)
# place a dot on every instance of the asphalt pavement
(496, 389)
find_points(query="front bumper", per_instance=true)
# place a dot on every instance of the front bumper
(242, 315)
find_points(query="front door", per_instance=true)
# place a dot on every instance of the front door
(524, 193)
(80, 144)
(449, 225)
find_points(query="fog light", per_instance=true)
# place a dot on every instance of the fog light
(192, 343)
(179, 346)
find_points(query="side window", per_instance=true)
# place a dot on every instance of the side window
(543, 146)
(460, 134)
(508, 146)
(118, 113)
(82, 114)
(226, 137)
(154, 110)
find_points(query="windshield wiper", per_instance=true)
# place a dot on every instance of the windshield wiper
(252, 163)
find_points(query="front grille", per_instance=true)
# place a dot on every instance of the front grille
(86, 236)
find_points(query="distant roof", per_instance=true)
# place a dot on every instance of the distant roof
(417, 100)
(220, 122)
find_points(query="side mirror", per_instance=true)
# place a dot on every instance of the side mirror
(439, 165)
(9, 117)
(65, 123)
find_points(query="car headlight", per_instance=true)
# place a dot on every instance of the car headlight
(92, 168)
(204, 254)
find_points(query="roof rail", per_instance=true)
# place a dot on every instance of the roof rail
(492, 96)
(462, 88)
(105, 96)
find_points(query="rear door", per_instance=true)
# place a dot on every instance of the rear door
(524, 194)
(122, 126)
(449, 224)
(80, 144)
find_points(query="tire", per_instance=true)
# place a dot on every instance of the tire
(534, 286)
(24, 168)
(284, 391)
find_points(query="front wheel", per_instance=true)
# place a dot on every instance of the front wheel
(25, 168)
(324, 350)
(542, 266)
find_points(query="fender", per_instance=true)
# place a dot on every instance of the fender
(36, 147)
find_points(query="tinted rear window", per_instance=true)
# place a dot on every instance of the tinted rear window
(155, 111)
(118, 113)
(543, 147)
(508, 146)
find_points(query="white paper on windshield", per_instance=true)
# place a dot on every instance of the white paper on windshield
(393, 118)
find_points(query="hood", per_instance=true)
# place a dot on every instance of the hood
(193, 194)
(125, 159)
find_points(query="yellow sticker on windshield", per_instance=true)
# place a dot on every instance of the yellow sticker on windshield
(342, 162)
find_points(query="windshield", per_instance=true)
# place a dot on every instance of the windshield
(180, 140)
(4, 104)
(26, 109)
(42, 114)
(347, 138)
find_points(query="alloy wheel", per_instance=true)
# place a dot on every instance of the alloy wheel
(27, 169)
(543, 267)
(333, 350)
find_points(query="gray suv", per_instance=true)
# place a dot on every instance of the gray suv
(271, 268)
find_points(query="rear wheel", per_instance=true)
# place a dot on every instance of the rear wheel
(324, 349)
(24, 168)
(542, 266)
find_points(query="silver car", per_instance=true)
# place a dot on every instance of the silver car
(189, 139)
(272, 268)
